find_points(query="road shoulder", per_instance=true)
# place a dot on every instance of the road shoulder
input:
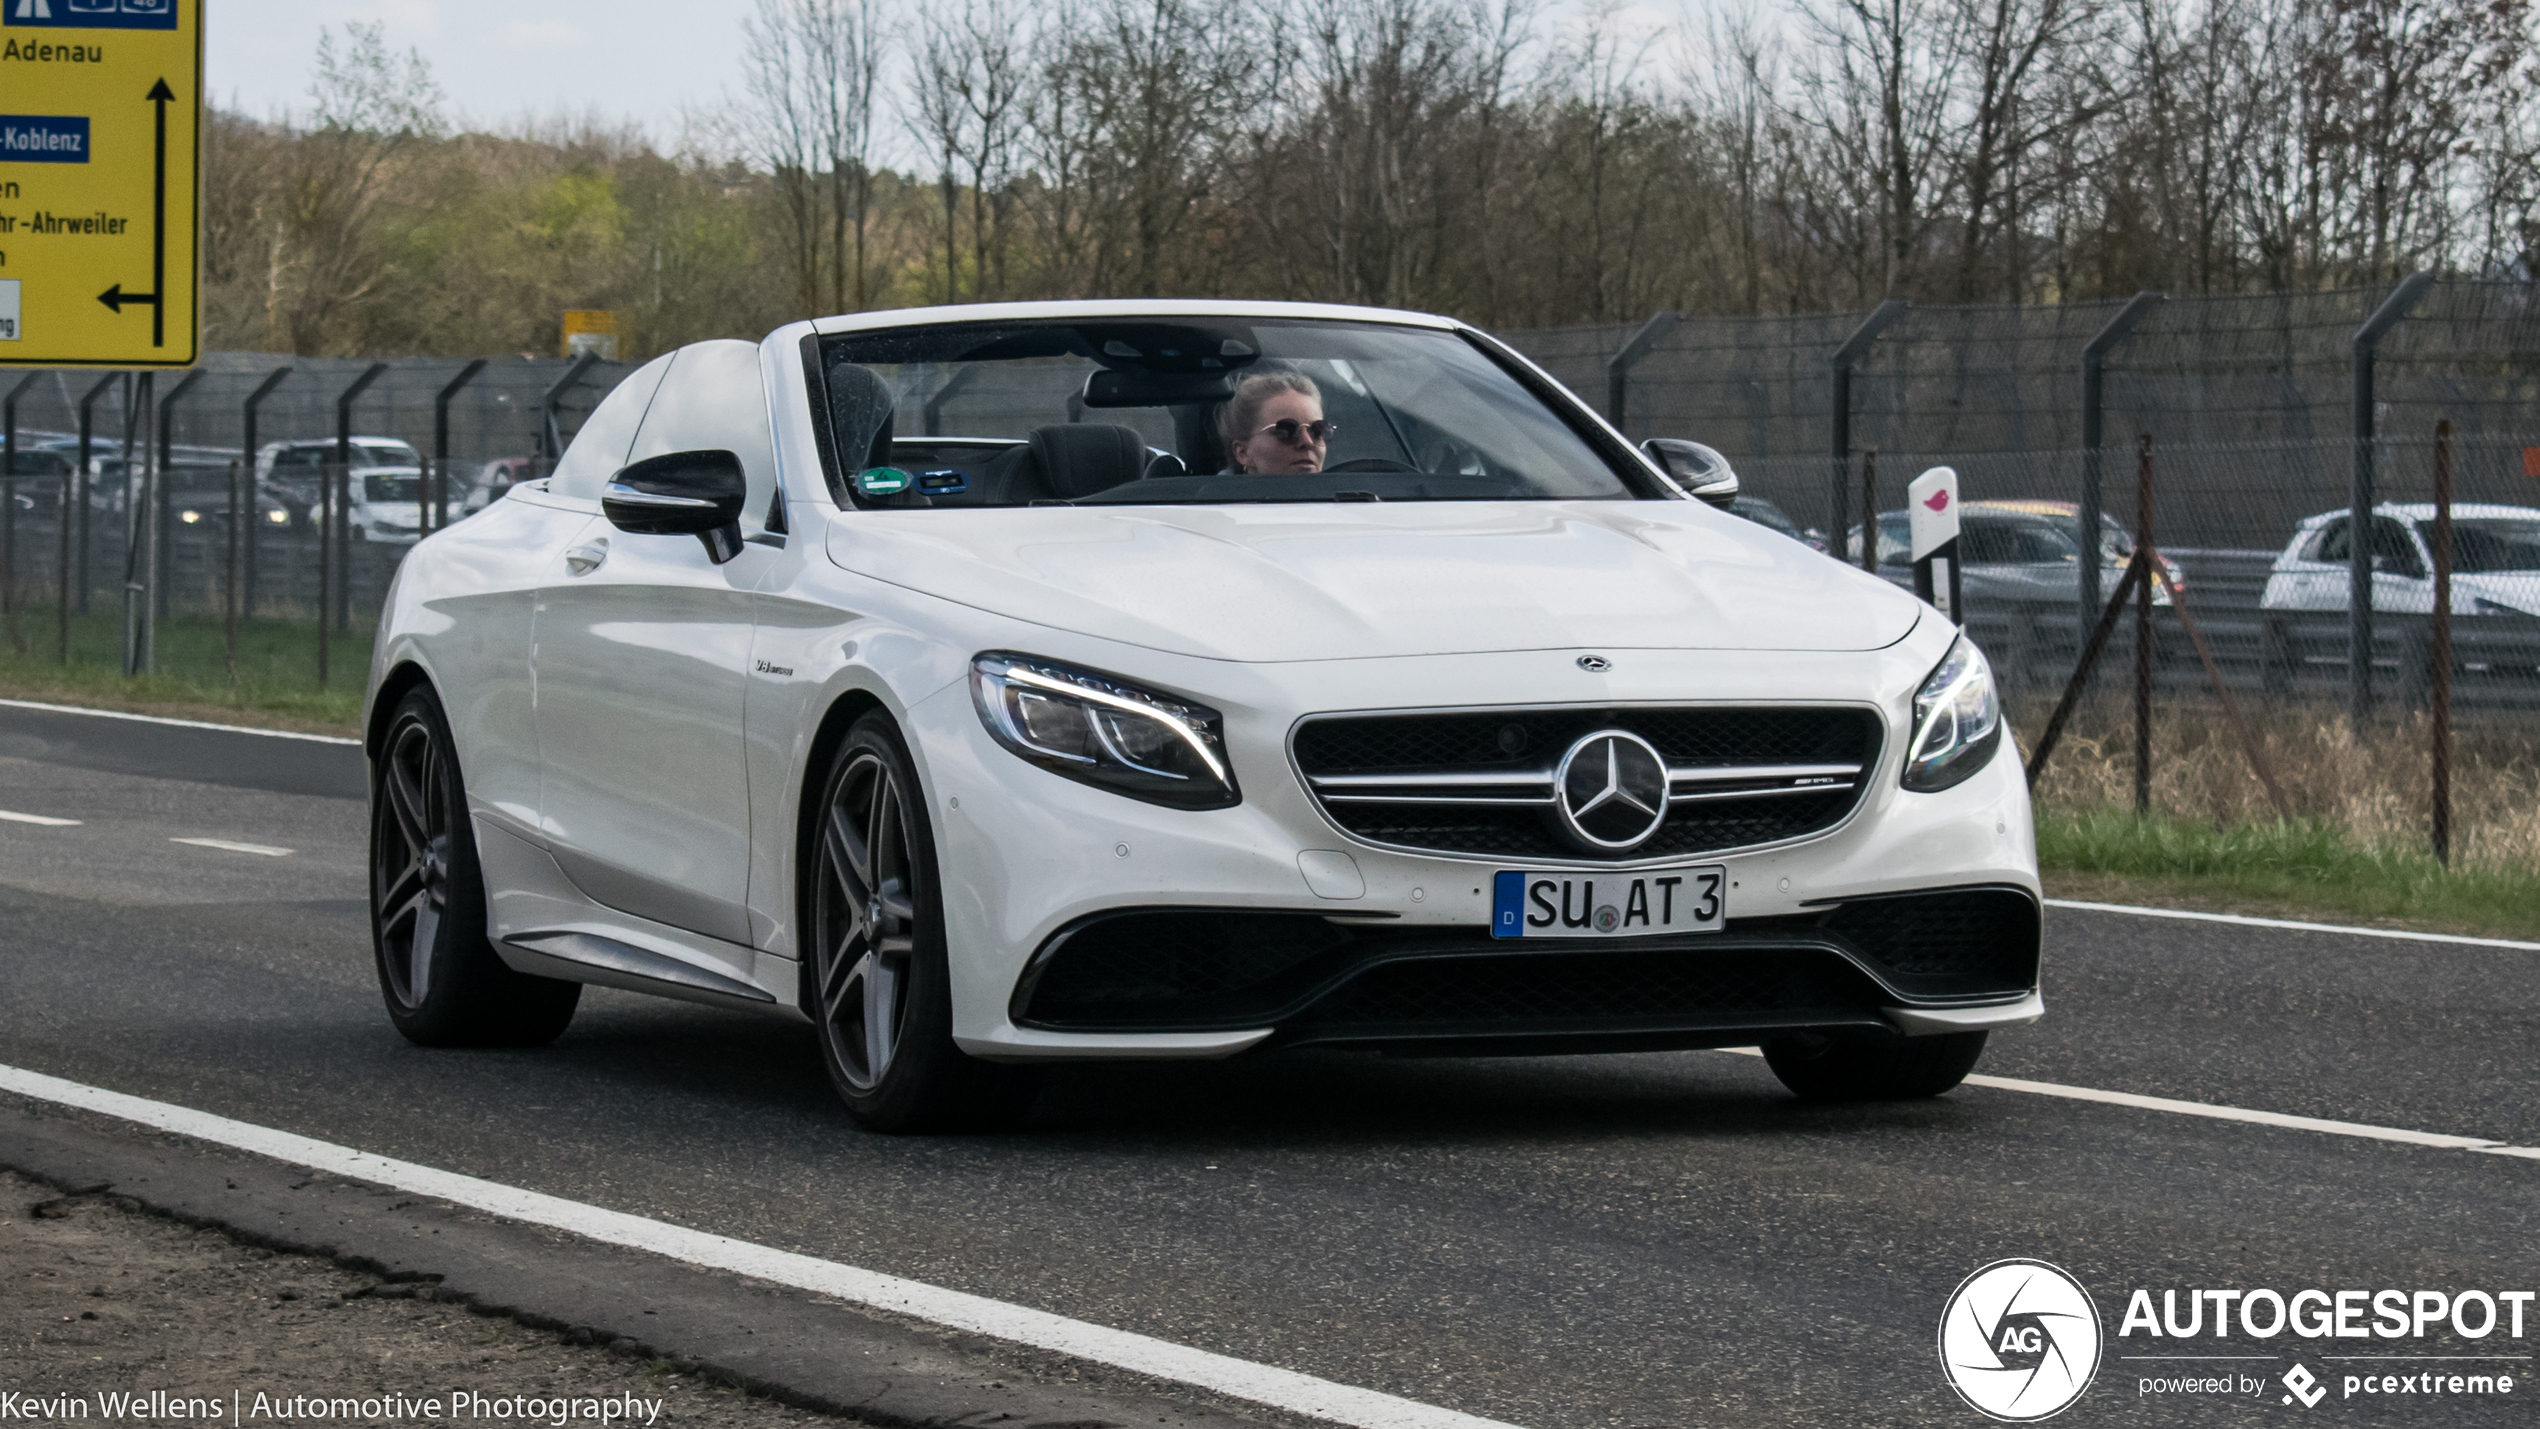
(775, 1342)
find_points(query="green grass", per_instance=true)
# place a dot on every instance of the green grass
(2304, 869)
(277, 676)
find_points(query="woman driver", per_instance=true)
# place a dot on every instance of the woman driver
(1273, 425)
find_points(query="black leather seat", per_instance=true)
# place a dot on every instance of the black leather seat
(1063, 463)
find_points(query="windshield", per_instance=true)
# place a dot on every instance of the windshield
(2483, 545)
(1197, 411)
(385, 454)
(392, 486)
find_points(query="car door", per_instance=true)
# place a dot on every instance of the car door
(497, 566)
(642, 659)
(2315, 579)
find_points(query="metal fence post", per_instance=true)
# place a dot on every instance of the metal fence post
(338, 528)
(435, 513)
(550, 433)
(87, 427)
(2442, 654)
(1841, 373)
(1870, 514)
(163, 574)
(1618, 368)
(2360, 500)
(247, 446)
(9, 503)
(2094, 355)
(2151, 557)
(139, 530)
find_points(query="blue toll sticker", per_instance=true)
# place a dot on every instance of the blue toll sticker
(881, 481)
(944, 482)
(1508, 905)
(43, 139)
(90, 14)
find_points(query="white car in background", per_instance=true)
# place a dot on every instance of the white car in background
(384, 503)
(928, 676)
(2495, 561)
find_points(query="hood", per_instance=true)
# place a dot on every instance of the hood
(1321, 582)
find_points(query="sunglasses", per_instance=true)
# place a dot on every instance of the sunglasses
(1290, 431)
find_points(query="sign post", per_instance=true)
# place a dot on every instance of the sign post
(1931, 506)
(100, 169)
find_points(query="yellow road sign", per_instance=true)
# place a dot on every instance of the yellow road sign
(101, 106)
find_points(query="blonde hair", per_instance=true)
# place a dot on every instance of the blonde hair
(1235, 420)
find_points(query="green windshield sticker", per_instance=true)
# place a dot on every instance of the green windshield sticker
(881, 481)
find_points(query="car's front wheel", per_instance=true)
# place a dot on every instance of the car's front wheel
(437, 968)
(1834, 1069)
(880, 984)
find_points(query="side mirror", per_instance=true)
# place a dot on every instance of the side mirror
(696, 494)
(1702, 472)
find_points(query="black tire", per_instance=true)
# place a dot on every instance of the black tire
(1828, 1069)
(878, 982)
(444, 985)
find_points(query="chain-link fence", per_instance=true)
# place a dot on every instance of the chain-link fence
(294, 484)
(2250, 405)
(2248, 400)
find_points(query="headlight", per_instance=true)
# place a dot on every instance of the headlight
(190, 517)
(1098, 730)
(279, 518)
(1957, 721)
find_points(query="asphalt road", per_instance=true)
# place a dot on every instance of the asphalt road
(1644, 1240)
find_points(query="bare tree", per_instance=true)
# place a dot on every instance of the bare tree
(812, 73)
(369, 107)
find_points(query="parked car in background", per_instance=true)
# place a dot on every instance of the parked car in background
(385, 504)
(34, 479)
(292, 470)
(2495, 561)
(198, 495)
(2021, 577)
(499, 476)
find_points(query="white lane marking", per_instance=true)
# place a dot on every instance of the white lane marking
(179, 723)
(2295, 924)
(233, 846)
(1262, 1384)
(2442, 1140)
(42, 820)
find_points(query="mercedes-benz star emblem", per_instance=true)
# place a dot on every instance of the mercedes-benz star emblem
(1595, 663)
(1613, 791)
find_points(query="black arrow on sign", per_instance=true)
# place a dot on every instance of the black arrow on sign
(115, 297)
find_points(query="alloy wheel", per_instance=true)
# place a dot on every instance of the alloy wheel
(410, 881)
(865, 920)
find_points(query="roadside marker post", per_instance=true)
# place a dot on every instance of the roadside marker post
(1931, 523)
(100, 183)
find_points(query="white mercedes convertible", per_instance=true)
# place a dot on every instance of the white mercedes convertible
(1000, 685)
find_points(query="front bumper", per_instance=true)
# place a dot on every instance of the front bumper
(1939, 960)
(1027, 857)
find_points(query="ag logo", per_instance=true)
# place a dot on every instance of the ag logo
(2019, 1340)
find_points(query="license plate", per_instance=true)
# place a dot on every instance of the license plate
(1609, 905)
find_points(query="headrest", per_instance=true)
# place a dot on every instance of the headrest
(860, 409)
(1083, 458)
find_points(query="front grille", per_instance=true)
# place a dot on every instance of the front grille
(1480, 783)
(1951, 942)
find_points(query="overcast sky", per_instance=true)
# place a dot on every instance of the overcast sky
(503, 60)
(498, 60)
